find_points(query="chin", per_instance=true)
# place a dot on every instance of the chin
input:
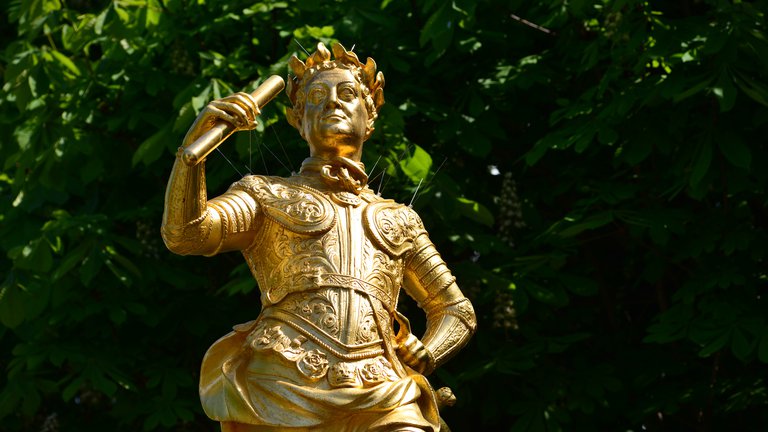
(336, 129)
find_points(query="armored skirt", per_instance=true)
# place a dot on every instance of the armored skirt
(267, 375)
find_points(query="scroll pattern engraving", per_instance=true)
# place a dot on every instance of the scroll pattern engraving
(366, 330)
(313, 364)
(299, 208)
(385, 272)
(393, 225)
(301, 260)
(319, 309)
(453, 337)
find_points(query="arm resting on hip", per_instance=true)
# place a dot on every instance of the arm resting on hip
(450, 318)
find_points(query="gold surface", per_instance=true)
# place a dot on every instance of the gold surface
(208, 141)
(330, 257)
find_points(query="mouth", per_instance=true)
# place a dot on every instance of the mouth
(334, 117)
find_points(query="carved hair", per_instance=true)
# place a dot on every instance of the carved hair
(371, 82)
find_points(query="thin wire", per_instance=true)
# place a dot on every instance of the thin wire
(302, 48)
(230, 162)
(293, 170)
(428, 182)
(445, 158)
(250, 151)
(353, 47)
(383, 174)
(374, 165)
(532, 25)
(263, 159)
(399, 158)
(275, 156)
(372, 179)
(410, 204)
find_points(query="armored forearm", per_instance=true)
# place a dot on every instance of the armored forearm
(450, 317)
(450, 324)
(194, 226)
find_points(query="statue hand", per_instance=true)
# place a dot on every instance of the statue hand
(240, 110)
(415, 354)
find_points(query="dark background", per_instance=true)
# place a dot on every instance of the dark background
(593, 172)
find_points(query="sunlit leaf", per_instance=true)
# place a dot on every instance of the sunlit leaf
(66, 62)
(417, 165)
(475, 211)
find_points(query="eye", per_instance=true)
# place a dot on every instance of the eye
(316, 95)
(347, 94)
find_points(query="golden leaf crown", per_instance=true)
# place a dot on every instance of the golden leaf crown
(371, 82)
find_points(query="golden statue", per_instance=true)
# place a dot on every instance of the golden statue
(330, 257)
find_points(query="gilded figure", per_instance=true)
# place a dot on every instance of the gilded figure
(330, 257)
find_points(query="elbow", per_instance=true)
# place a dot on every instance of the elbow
(469, 316)
(176, 240)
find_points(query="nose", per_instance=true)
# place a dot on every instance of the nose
(333, 99)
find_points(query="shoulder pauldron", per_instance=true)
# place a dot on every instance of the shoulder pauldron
(296, 207)
(392, 226)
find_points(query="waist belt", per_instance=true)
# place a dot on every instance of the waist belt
(302, 283)
(318, 336)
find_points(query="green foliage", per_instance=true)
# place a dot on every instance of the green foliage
(592, 172)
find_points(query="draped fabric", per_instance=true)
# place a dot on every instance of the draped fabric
(260, 388)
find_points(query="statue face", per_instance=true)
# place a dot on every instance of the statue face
(335, 120)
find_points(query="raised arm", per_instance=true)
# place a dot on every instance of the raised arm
(450, 316)
(192, 225)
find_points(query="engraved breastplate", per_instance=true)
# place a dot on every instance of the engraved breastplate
(330, 261)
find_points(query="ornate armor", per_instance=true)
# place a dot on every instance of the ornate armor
(329, 261)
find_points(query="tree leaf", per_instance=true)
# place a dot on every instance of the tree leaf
(701, 163)
(36, 255)
(715, 344)
(762, 352)
(592, 222)
(701, 85)
(72, 388)
(549, 294)
(552, 140)
(66, 62)
(417, 166)
(475, 211)
(725, 92)
(151, 149)
(740, 345)
(12, 310)
(73, 258)
(580, 285)
(734, 149)
(755, 90)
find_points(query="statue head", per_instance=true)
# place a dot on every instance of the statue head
(335, 102)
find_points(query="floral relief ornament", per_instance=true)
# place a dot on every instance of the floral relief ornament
(314, 364)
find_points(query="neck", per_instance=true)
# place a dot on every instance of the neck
(354, 154)
(345, 146)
